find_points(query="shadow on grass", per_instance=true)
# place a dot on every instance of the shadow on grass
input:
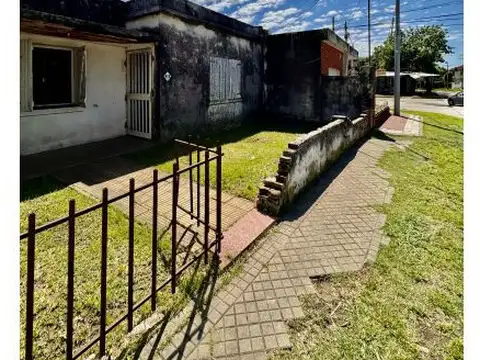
(31, 189)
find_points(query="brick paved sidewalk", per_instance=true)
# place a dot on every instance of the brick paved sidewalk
(115, 174)
(333, 228)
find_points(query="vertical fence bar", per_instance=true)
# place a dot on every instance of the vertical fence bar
(154, 239)
(207, 203)
(219, 199)
(131, 242)
(29, 292)
(190, 175)
(198, 187)
(174, 226)
(70, 277)
(103, 280)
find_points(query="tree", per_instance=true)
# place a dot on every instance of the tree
(421, 48)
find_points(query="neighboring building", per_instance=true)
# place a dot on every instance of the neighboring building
(157, 69)
(294, 81)
(385, 83)
(457, 78)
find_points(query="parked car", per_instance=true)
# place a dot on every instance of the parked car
(456, 99)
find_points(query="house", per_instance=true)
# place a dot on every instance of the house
(409, 81)
(311, 81)
(457, 77)
(157, 69)
(92, 70)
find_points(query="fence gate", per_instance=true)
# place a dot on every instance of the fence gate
(139, 93)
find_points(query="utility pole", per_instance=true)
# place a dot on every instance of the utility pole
(446, 82)
(391, 27)
(370, 70)
(396, 110)
(346, 32)
(333, 23)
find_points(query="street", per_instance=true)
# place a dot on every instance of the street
(422, 104)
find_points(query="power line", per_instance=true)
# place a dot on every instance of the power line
(430, 7)
(436, 17)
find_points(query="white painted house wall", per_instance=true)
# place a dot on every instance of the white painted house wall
(103, 116)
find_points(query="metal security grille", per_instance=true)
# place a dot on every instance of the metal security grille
(139, 89)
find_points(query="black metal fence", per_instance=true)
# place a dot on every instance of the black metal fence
(209, 156)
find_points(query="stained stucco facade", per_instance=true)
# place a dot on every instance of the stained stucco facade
(215, 76)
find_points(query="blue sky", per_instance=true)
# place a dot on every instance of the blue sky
(296, 15)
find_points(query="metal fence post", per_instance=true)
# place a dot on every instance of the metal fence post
(30, 287)
(174, 226)
(207, 202)
(103, 280)
(131, 254)
(70, 277)
(219, 199)
(154, 239)
(198, 187)
(190, 175)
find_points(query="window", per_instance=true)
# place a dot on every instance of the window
(51, 77)
(225, 80)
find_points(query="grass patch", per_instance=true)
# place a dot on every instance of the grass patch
(409, 303)
(50, 201)
(251, 153)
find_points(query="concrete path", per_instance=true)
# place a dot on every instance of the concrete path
(422, 104)
(405, 125)
(333, 228)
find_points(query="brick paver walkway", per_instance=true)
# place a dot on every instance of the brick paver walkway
(115, 174)
(333, 228)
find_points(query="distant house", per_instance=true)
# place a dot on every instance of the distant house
(457, 77)
(156, 69)
(385, 83)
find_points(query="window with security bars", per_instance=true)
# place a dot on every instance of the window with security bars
(225, 80)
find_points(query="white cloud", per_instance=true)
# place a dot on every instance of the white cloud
(250, 10)
(296, 26)
(333, 13)
(356, 14)
(274, 19)
(322, 20)
(219, 5)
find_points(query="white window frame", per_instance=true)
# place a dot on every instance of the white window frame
(28, 108)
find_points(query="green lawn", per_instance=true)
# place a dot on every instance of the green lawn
(49, 200)
(409, 303)
(251, 153)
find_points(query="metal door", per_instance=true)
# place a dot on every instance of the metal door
(139, 93)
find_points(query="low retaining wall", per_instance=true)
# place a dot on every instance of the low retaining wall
(308, 157)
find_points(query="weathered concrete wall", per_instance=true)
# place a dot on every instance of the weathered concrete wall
(346, 96)
(295, 86)
(104, 115)
(292, 76)
(306, 159)
(184, 51)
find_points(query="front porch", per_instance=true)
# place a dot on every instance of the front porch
(49, 162)
(82, 83)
